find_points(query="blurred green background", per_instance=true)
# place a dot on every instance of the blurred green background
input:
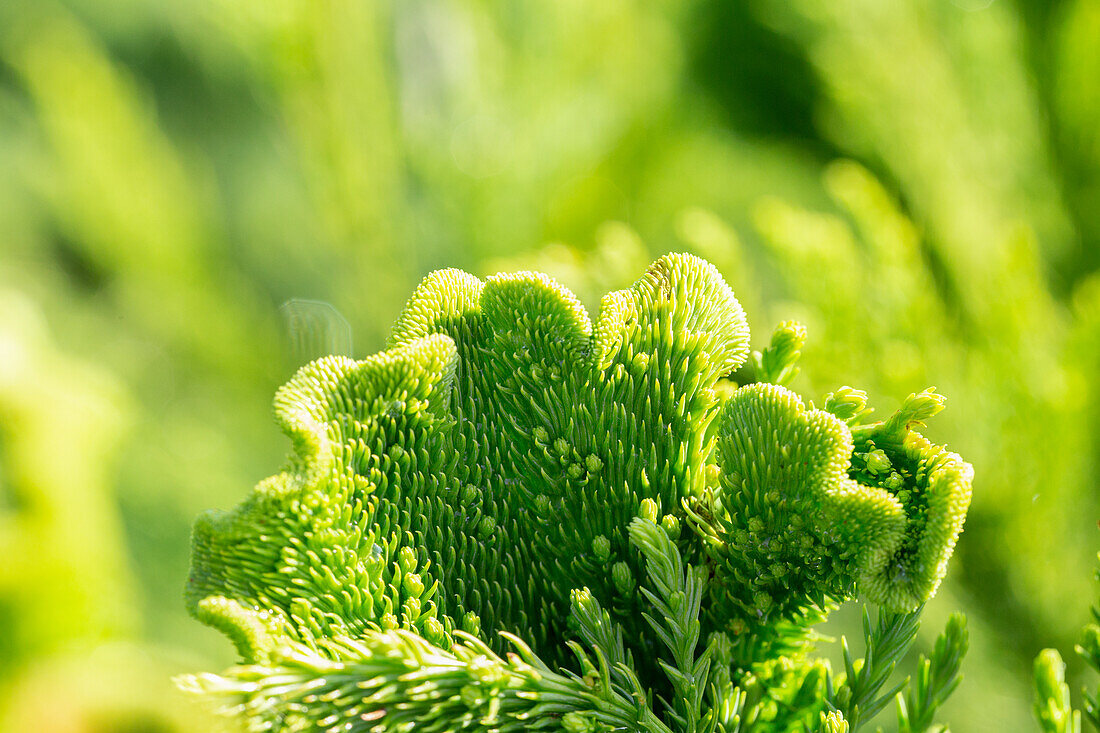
(917, 181)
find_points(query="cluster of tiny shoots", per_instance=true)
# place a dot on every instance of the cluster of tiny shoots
(517, 519)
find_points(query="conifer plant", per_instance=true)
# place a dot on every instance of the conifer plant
(517, 519)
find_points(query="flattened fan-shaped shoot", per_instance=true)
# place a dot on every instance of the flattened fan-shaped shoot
(933, 486)
(482, 528)
(787, 528)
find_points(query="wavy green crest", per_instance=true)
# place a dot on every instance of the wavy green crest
(803, 513)
(509, 474)
(480, 469)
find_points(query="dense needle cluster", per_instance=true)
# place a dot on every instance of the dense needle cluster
(515, 518)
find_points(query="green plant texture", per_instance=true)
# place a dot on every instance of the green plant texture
(516, 518)
(1053, 707)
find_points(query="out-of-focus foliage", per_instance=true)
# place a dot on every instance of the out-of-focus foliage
(917, 181)
(1053, 707)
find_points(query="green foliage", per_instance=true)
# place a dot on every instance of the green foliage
(917, 182)
(1089, 650)
(859, 696)
(833, 722)
(57, 518)
(485, 527)
(776, 364)
(937, 678)
(806, 509)
(1053, 707)
(398, 681)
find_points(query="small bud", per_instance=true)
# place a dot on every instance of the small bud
(577, 723)
(916, 409)
(877, 462)
(412, 585)
(776, 364)
(622, 578)
(1050, 672)
(486, 527)
(833, 722)
(648, 510)
(434, 631)
(601, 548)
(846, 403)
(593, 463)
(470, 494)
(471, 623)
(406, 559)
(762, 601)
(671, 526)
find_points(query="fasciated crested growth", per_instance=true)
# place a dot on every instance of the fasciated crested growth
(805, 512)
(788, 528)
(931, 484)
(509, 476)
